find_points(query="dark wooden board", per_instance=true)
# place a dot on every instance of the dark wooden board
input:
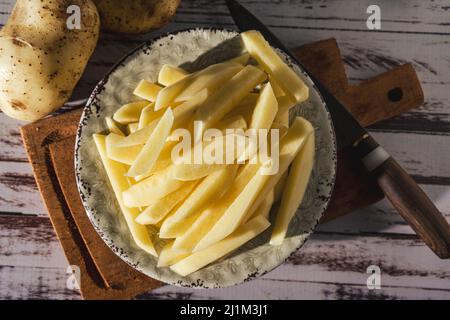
(354, 189)
(120, 278)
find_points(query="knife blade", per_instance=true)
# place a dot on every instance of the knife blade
(400, 188)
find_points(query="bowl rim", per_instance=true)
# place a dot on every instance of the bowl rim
(99, 87)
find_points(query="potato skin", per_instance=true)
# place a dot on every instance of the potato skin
(135, 16)
(41, 60)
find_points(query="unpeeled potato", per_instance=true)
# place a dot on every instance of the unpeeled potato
(136, 16)
(41, 60)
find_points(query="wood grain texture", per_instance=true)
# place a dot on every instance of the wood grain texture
(412, 31)
(340, 259)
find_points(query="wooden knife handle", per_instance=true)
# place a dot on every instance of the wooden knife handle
(407, 197)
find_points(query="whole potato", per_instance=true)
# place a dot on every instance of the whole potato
(135, 16)
(41, 59)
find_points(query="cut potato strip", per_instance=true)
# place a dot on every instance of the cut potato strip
(157, 211)
(152, 148)
(226, 98)
(241, 206)
(169, 74)
(235, 213)
(233, 146)
(209, 217)
(187, 240)
(163, 162)
(265, 110)
(294, 191)
(169, 255)
(115, 172)
(245, 108)
(185, 111)
(215, 74)
(300, 128)
(242, 59)
(262, 119)
(232, 123)
(125, 155)
(282, 118)
(282, 129)
(272, 63)
(148, 115)
(147, 90)
(285, 104)
(210, 189)
(279, 187)
(202, 258)
(132, 127)
(276, 88)
(129, 112)
(138, 137)
(113, 126)
(264, 207)
(211, 79)
(151, 189)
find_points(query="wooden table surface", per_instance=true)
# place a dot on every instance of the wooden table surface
(333, 263)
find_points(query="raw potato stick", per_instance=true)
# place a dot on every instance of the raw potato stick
(130, 112)
(210, 189)
(149, 154)
(202, 258)
(113, 127)
(226, 98)
(151, 189)
(169, 74)
(241, 206)
(154, 213)
(138, 137)
(272, 63)
(294, 190)
(242, 59)
(132, 127)
(169, 255)
(116, 174)
(147, 90)
(126, 155)
(211, 79)
(235, 213)
(148, 115)
(208, 217)
(264, 207)
(214, 74)
(307, 130)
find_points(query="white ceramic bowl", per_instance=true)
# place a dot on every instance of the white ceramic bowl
(194, 49)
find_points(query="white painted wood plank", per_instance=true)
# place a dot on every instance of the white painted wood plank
(11, 147)
(19, 192)
(292, 290)
(29, 242)
(400, 16)
(26, 283)
(420, 154)
(405, 16)
(328, 261)
(382, 217)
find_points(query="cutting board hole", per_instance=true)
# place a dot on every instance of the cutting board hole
(395, 95)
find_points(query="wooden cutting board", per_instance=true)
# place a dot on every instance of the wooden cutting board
(50, 147)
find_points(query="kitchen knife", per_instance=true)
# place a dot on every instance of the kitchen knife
(399, 187)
